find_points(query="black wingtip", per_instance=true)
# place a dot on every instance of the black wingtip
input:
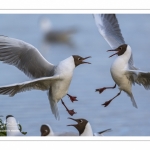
(107, 130)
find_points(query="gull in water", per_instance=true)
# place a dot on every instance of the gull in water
(46, 77)
(84, 128)
(123, 71)
(46, 130)
(13, 127)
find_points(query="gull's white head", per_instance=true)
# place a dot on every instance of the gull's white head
(11, 123)
(12, 126)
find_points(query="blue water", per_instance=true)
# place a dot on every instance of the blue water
(32, 108)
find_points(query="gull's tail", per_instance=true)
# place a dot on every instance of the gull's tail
(54, 109)
(53, 104)
(133, 100)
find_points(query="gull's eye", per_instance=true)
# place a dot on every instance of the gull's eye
(120, 48)
(79, 58)
(80, 120)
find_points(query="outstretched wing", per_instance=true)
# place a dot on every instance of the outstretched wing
(109, 28)
(25, 57)
(139, 77)
(38, 84)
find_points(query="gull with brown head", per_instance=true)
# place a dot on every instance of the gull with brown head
(123, 71)
(55, 79)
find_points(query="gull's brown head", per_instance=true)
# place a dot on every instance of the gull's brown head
(45, 130)
(81, 124)
(120, 50)
(80, 60)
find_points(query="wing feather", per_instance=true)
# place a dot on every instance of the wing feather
(109, 28)
(38, 84)
(139, 77)
(25, 57)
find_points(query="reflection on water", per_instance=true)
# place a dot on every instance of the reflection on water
(32, 108)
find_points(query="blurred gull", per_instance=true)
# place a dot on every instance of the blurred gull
(46, 77)
(84, 128)
(13, 127)
(51, 36)
(46, 130)
(122, 69)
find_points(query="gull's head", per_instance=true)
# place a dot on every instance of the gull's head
(45, 24)
(46, 130)
(10, 120)
(81, 124)
(11, 123)
(122, 50)
(80, 60)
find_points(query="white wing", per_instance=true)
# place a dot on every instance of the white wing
(139, 77)
(131, 63)
(38, 84)
(109, 28)
(25, 57)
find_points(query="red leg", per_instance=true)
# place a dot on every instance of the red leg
(72, 98)
(71, 112)
(108, 102)
(104, 88)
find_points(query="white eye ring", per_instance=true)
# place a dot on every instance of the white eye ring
(79, 58)
(81, 121)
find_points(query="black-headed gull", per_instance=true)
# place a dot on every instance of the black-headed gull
(122, 69)
(46, 77)
(84, 128)
(46, 130)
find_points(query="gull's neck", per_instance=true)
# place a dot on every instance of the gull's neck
(67, 64)
(127, 55)
(88, 130)
(51, 131)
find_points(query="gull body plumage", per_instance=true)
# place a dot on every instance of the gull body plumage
(46, 77)
(123, 71)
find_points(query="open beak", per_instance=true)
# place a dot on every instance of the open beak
(72, 124)
(83, 62)
(114, 53)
